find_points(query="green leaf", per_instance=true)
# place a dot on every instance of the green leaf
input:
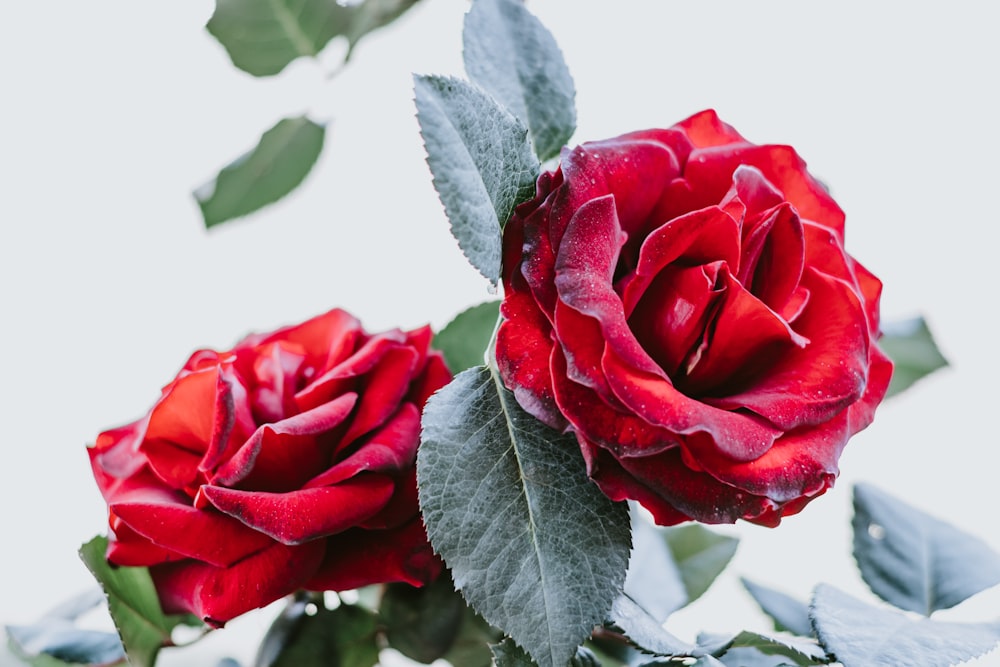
(533, 544)
(700, 554)
(281, 160)
(860, 635)
(464, 340)
(263, 36)
(134, 605)
(509, 654)
(796, 651)
(788, 614)
(913, 352)
(422, 623)
(345, 637)
(514, 57)
(914, 561)
(481, 160)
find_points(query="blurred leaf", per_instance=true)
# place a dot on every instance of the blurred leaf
(515, 59)
(860, 635)
(369, 15)
(914, 561)
(645, 631)
(471, 647)
(263, 36)
(913, 352)
(509, 654)
(277, 164)
(481, 160)
(54, 641)
(792, 650)
(134, 605)
(653, 580)
(787, 613)
(463, 341)
(345, 637)
(422, 623)
(550, 549)
(700, 554)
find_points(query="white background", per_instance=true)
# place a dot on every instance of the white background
(113, 111)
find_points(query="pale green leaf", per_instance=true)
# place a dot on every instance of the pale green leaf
(481, 160)
(860, 635)
(513, 57)
(915, 561)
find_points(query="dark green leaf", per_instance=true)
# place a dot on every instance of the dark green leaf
(281, 160)
(345, 637)
(263, 36)
(913, 352)
(463, 341)
(533, 544)
(134, 605)
(914, 561)
(860, 635)
(787, 613)
(422, 623)
(481, 160)
(645, 631)
(795, 651)
(509, 654)
(700, 554)
(513, 57)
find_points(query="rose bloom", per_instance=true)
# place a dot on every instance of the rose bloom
(682, 301)
(285, 463)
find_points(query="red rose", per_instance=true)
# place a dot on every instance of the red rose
(682, 301)
(286, 463)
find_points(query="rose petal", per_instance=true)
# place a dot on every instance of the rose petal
(741, 435)
(671, 491)
(809, 385)
(128, 548)
(219, 594)
(178, 527)
(358, 558)
(300, 516)
(390, 450)
(283, 455)
(800, 463)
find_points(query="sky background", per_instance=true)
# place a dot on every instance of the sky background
(114, 111)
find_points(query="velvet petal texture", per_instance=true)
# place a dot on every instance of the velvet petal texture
(682, 301)
(284, 463)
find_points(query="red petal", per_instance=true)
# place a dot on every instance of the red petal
(809, 385)
(391, 450)
(704, 129)
(655, 401)
(801, 463)
(219, 594)
(300, 516)
(359, 558)
(283, 455)
(180, 528)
